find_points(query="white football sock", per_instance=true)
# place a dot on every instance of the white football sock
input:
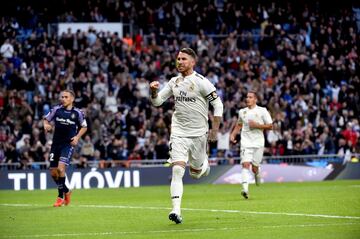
(245, 179)
(176, 187)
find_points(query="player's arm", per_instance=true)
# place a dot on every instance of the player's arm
(48, 118)
(254, 125)
(82, 131)
(268, 125)
(235, 132)
(47, 125)
(208, 90)
(158, 98)
(218, 112)
(75, 139)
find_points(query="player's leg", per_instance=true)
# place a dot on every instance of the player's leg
(246, 159)
(176, 190)
(178, 160)
(258, 154)
(198, 158)
(54, 162)
(257, 176)
(60, 198)
(66, 154)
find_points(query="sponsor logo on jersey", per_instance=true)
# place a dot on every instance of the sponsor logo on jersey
(184, 98)
(64, 121)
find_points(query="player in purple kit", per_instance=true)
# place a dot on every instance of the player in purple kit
(69, 126)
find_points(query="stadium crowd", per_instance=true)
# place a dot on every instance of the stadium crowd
(303, 59)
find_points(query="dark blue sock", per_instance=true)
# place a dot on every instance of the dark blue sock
(60, 192)
(62, 185)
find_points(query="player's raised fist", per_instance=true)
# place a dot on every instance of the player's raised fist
(154, 85)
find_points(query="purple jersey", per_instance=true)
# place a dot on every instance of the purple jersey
(67, 123)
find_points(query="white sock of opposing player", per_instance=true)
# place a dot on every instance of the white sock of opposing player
(176, 187)
(245, 179)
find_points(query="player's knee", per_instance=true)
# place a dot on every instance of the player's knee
(178, 171)
(54, 173)
(60, 171)
(246, 165)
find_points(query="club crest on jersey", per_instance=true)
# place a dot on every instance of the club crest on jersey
(178, 80)
(72, 116)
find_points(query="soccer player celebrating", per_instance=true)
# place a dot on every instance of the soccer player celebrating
(70, 125)
(252, 121)
(188, 141)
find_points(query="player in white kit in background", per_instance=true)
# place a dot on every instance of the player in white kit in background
(252, 121)
(188, 141)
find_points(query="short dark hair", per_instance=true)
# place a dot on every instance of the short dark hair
(189, 51)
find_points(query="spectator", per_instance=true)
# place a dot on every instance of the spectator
(87, 151)
(7, 49)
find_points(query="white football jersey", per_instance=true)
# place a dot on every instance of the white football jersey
(253, 138)
(192, 95)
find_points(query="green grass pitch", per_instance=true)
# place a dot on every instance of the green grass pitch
(328, 209)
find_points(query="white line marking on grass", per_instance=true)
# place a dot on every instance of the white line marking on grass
(354, 186)
(225, 211)
(195, 209)
(178, 230)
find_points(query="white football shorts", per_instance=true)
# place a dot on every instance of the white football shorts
(189, 149)
(252, 155)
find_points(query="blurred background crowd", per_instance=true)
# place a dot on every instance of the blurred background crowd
(301, 56)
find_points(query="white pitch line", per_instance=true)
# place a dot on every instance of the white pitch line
(195, 209)
(354, 186)
(95, 234)
(225, 211)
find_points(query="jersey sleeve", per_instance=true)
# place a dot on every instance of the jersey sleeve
(50, 116)
(166, 92)
(266, 117)
(240, 119)
(208, 90)
(81, 118)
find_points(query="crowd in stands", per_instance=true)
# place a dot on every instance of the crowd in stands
(303, 59)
